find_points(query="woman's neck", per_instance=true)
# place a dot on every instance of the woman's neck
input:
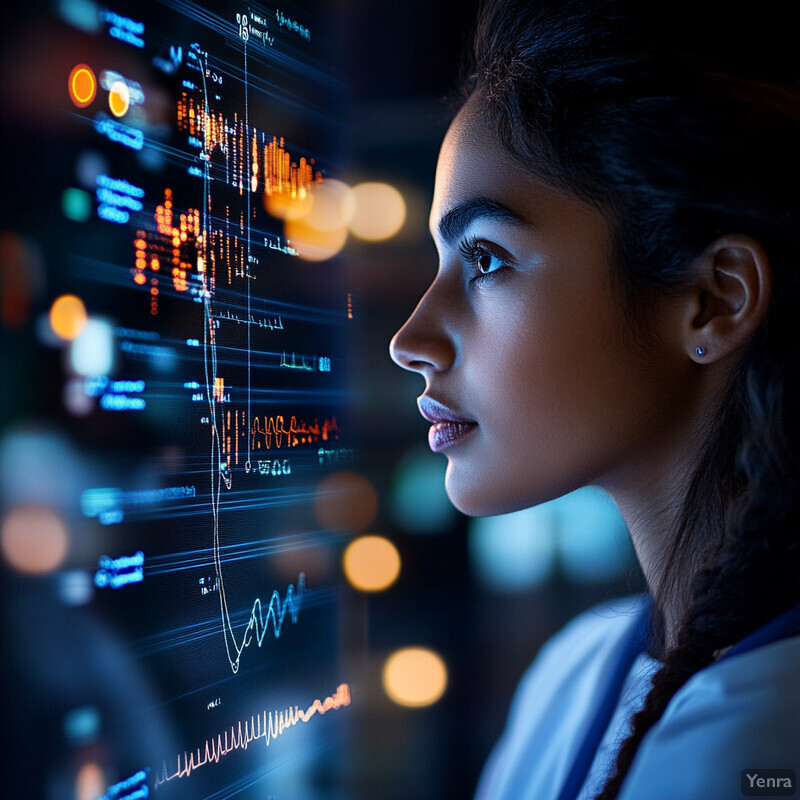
(651, 494)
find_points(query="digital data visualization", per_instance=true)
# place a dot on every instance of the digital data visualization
(186, 640)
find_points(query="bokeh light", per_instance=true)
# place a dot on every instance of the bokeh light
(285, 207)
(21, 277)
(513, 552)
(33, 539)
(331, 208)
(345, 501)
(68, 316)
(40, 467)
(322, 232)
(119, 98)
(82, 725)
(76, 400)
(76, 204)
(88, 166)
(75, 587)
(312, 244)
(90, 782)
(82, 85)
(92, 352)
(414, 677)
(419, 502)
(582, 534)
(379, 211)
(83, 14)
(594, 544)
(371, 563)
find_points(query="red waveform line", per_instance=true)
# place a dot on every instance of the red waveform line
(266, 726)
(296, 433)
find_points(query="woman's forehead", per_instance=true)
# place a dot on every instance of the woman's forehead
(474, 166)
(472, 162)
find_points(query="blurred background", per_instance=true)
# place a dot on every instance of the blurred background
(430, 617)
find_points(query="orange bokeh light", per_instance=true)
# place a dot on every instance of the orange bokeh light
(379, 211)
(33, 539)
(371, 563)
(82, 85)
(345, 501)
(67, 316)
(311, 243)
(414, 677)
(287, 207)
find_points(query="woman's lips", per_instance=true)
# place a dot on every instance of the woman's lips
(448, 426)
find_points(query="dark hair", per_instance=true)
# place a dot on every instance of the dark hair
(682, 128)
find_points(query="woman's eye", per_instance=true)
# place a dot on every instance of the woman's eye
(484, 261)
(487, 262)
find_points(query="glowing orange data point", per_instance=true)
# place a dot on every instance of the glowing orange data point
(82, 85)
(119, 98)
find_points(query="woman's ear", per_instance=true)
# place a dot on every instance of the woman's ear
(729, 297)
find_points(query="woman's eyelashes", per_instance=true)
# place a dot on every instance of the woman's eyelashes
(487, 261)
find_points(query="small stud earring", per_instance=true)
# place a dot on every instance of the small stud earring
(700, 351)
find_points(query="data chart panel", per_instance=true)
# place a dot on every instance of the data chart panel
(174, 590)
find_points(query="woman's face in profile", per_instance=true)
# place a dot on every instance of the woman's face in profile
(535, 383)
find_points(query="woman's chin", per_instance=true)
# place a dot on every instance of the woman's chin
(482, 493)
(478, 497)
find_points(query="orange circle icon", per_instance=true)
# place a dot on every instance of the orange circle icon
(119, 98)
(82, 85)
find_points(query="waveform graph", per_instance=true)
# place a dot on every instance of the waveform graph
(257, 736)
(258, 462)
(276, 431)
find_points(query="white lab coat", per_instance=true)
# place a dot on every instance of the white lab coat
(739, 714)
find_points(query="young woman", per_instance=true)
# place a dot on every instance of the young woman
(617, 304)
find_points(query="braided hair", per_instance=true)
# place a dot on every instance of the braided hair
(681, 128)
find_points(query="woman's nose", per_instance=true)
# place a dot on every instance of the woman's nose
(424, 343)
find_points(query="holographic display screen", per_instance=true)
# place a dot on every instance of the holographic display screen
(169, 429)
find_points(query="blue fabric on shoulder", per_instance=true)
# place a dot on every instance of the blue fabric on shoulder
(782, 627)
(634, 643)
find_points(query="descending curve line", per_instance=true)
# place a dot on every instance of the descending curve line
(248, 465)
(277, 609)
(266, 726)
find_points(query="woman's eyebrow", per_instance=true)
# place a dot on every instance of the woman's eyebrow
(457, 219)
